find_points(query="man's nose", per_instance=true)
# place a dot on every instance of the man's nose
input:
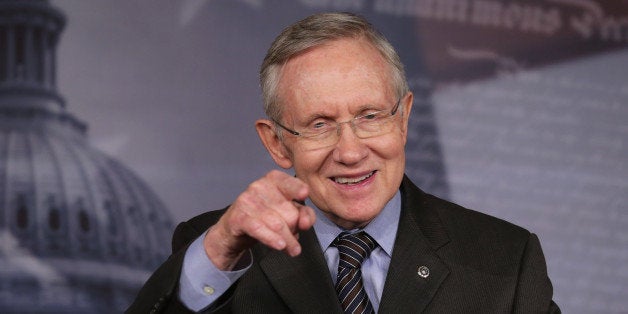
(349, 149)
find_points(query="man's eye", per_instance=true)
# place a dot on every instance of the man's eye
(319, 125)
(370, 116)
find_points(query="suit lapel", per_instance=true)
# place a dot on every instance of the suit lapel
(419, 235)
(305, 285)
(303, 282)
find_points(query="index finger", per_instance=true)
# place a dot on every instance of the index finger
(292, 188)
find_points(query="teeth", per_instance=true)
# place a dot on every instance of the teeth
(353, 180)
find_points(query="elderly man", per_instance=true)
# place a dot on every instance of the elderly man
(348, 232)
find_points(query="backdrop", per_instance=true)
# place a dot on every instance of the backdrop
(522, 110)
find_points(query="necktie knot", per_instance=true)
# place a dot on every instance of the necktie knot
(354, 248)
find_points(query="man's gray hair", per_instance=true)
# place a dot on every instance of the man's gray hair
(317, 30)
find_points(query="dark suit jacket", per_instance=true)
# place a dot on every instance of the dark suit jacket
(477, 264)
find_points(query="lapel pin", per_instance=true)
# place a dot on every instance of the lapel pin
(423, 271)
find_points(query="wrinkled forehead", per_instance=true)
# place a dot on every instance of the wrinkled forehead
(341, 71)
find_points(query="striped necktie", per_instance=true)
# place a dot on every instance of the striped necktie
(353, 249)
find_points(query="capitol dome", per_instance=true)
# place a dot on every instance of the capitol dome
(79, 231)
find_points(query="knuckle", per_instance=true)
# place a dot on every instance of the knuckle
(274, 223)
(237, 218)
(277, 176)
(275, 173)
(255, 186)
(276, 219)
(246, 200)
(254, 226)
(292, 211)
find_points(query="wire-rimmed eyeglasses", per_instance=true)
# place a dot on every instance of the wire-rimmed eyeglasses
(321, 133)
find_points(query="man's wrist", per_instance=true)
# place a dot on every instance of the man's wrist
(201, 282)
(217, 250)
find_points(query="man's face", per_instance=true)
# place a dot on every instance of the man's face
(352, 180)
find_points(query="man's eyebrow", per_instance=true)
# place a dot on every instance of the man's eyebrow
(314, 116)
(370, 106)
(322, 115)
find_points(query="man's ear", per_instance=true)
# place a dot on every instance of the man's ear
(406, 103)
(272, 142)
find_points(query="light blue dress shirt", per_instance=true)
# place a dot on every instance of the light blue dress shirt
(374, 269)
(201, 283)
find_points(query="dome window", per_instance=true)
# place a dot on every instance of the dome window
(82, 216)
(54, 215)
(20, 55)
(83, 220)
(4, 66)
(22, 212)
(112, 226)
(54, 219)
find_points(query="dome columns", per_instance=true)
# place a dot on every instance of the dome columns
(29, 32)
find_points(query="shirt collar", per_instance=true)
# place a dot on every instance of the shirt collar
(383, 228)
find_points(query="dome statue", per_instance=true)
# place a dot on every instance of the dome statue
(79, 231)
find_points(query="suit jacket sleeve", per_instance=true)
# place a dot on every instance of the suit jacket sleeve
(159, 293)
(534, 288)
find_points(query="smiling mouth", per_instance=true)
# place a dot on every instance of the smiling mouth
(351, 181)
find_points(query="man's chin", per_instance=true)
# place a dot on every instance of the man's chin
(352, 220)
